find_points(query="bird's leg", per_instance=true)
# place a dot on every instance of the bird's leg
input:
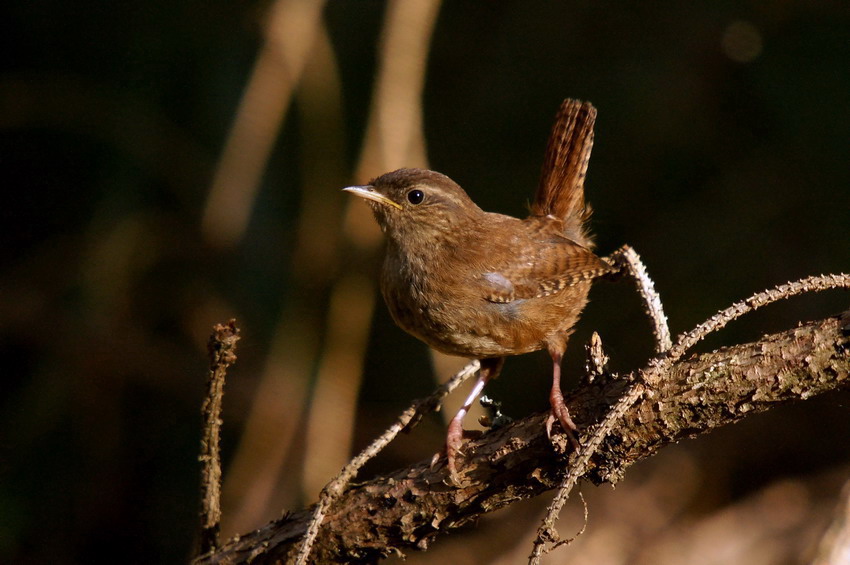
(559, 409)
(490, 369)
(454, 436)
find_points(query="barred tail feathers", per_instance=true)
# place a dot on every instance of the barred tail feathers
(561, 189)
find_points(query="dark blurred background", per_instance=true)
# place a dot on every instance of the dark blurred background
(166, 166)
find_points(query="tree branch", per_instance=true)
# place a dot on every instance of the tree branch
(408, 509)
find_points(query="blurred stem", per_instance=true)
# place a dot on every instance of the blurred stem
(254, 485)
(834, 547)
(270, 430)
(330, 426)
(394, 138)
(290, 34)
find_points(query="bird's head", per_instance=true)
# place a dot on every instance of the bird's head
(417, 203)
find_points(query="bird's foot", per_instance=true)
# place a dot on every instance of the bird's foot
(454, 440)
(567, 424)
(559, 408)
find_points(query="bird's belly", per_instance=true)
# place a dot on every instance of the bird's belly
(464, 323)
(478, 329)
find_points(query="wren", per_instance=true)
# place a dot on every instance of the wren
(484, 285)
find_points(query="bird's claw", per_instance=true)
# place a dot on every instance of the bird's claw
(569, 428)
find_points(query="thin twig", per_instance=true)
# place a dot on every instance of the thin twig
(651, 376)
(336, 487)
(546, 532)
(596, 364)
(222, 351)
(809, 284)
(583, 526)
(627, 259)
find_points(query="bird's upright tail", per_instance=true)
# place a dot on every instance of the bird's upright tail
(561, 189)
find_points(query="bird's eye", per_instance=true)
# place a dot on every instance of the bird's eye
(415, 196)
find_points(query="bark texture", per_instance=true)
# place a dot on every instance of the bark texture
(408, 509)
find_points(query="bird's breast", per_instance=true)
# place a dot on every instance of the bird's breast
(450, 311)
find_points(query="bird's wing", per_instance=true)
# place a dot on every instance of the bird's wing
(542, 270)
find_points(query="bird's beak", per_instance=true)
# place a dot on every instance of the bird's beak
(369, 193)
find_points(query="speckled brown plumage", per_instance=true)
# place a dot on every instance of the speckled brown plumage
(485, 285)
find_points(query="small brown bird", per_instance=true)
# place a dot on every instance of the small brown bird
(484, 285)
